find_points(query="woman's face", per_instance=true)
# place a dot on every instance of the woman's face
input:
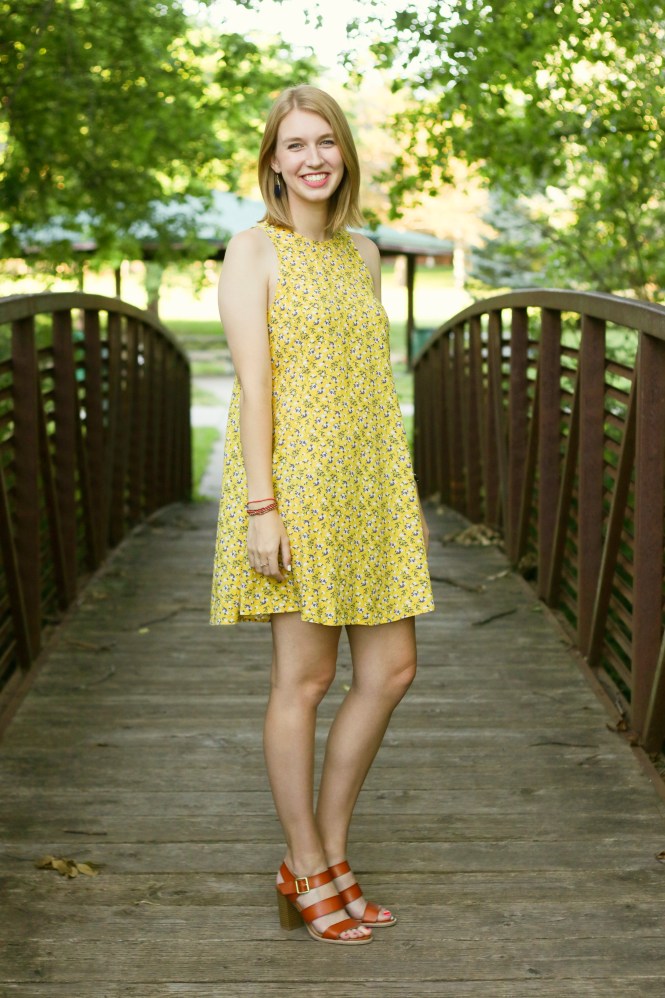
(308, 157)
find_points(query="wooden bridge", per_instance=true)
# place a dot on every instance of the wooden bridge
(514, 819)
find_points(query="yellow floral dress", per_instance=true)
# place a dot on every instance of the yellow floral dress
(342, 473)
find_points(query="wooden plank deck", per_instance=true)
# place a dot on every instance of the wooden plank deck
(511, 831)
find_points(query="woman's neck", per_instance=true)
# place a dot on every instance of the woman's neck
(310, 220)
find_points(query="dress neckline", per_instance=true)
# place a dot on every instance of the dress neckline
(306, 239)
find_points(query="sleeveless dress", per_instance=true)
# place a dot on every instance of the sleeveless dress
(342, 473)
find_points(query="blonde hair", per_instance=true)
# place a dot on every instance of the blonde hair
(344, 209)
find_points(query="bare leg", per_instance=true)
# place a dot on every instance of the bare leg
(384, 662)
(303, 667)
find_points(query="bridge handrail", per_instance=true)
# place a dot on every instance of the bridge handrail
(550, 428)
(94, 437)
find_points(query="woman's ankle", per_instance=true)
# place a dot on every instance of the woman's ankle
(305, 863)
(335, 854)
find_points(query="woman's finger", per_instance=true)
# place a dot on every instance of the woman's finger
(273, 569)
(286, 552)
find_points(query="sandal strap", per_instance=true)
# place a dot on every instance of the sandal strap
(301, 885)
(339, 869)
(335, 931)
(371, 912)
(326, 907)
(353, 891)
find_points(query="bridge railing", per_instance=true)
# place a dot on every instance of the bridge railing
(94, 436)
(542, 414)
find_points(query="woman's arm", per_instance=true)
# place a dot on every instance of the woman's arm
(369, 251)
(243, 305)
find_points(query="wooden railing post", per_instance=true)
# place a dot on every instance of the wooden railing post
(94, 431)
(444, 378)
(26, 475)
(141, 425)
(591, 464)
(474, 453)
(518, 422)
(497, 439)
(65, 401)
(615, 526)
(456, 394)
(549, 441)
(649, 505)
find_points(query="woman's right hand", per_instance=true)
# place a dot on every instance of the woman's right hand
(266, 540)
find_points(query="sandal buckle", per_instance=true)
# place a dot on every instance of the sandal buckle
(299, 889)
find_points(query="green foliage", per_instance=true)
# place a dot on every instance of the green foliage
(559, 99)
(111, 109)
(517, 256)
(102, 114)
(247, 78)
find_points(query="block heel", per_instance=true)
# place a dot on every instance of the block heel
(289, 916)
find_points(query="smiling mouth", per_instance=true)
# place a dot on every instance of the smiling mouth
(315, 179)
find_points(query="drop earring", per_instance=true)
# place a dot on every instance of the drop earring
(278, 186)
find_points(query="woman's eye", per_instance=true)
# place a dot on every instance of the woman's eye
(328, 142)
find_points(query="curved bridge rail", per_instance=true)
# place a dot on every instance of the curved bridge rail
(543, 414)
(94, 436)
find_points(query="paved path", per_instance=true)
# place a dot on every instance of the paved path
(215, 416)
(511, 831)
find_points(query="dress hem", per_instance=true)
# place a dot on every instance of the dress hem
(265, 619)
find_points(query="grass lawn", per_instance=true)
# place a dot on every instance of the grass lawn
(204, 439)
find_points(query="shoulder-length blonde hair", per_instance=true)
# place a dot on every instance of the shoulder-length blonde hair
(344, 209)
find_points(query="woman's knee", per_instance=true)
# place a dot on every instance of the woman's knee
(389, 680)
(304, 683)
(316, 685)
(304, 657)
(401, 675)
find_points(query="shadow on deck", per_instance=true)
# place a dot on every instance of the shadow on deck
(512, 832)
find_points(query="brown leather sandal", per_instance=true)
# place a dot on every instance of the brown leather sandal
(291, 916)
(351, 893)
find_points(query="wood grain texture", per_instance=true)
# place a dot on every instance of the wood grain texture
(512, 832)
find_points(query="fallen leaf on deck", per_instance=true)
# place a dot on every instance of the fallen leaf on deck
(67, 867)
(477, 533)
(660, 856)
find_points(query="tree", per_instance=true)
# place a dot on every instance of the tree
(111, 109)
(562, 100)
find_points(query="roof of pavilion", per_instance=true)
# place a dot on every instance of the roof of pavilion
(230, 214)
(217, 223)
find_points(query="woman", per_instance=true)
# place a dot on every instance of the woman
(320, 526)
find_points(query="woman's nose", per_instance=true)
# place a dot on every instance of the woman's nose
(313, 156)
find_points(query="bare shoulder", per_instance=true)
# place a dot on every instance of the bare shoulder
(367, 248)
(249, 265)
(369, 251)
(250, 245)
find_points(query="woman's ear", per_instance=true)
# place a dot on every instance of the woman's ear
(274, 165)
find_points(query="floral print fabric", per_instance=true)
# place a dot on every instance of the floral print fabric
(342, 473)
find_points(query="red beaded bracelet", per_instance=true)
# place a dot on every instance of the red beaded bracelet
(264, 509)
(252, 501)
